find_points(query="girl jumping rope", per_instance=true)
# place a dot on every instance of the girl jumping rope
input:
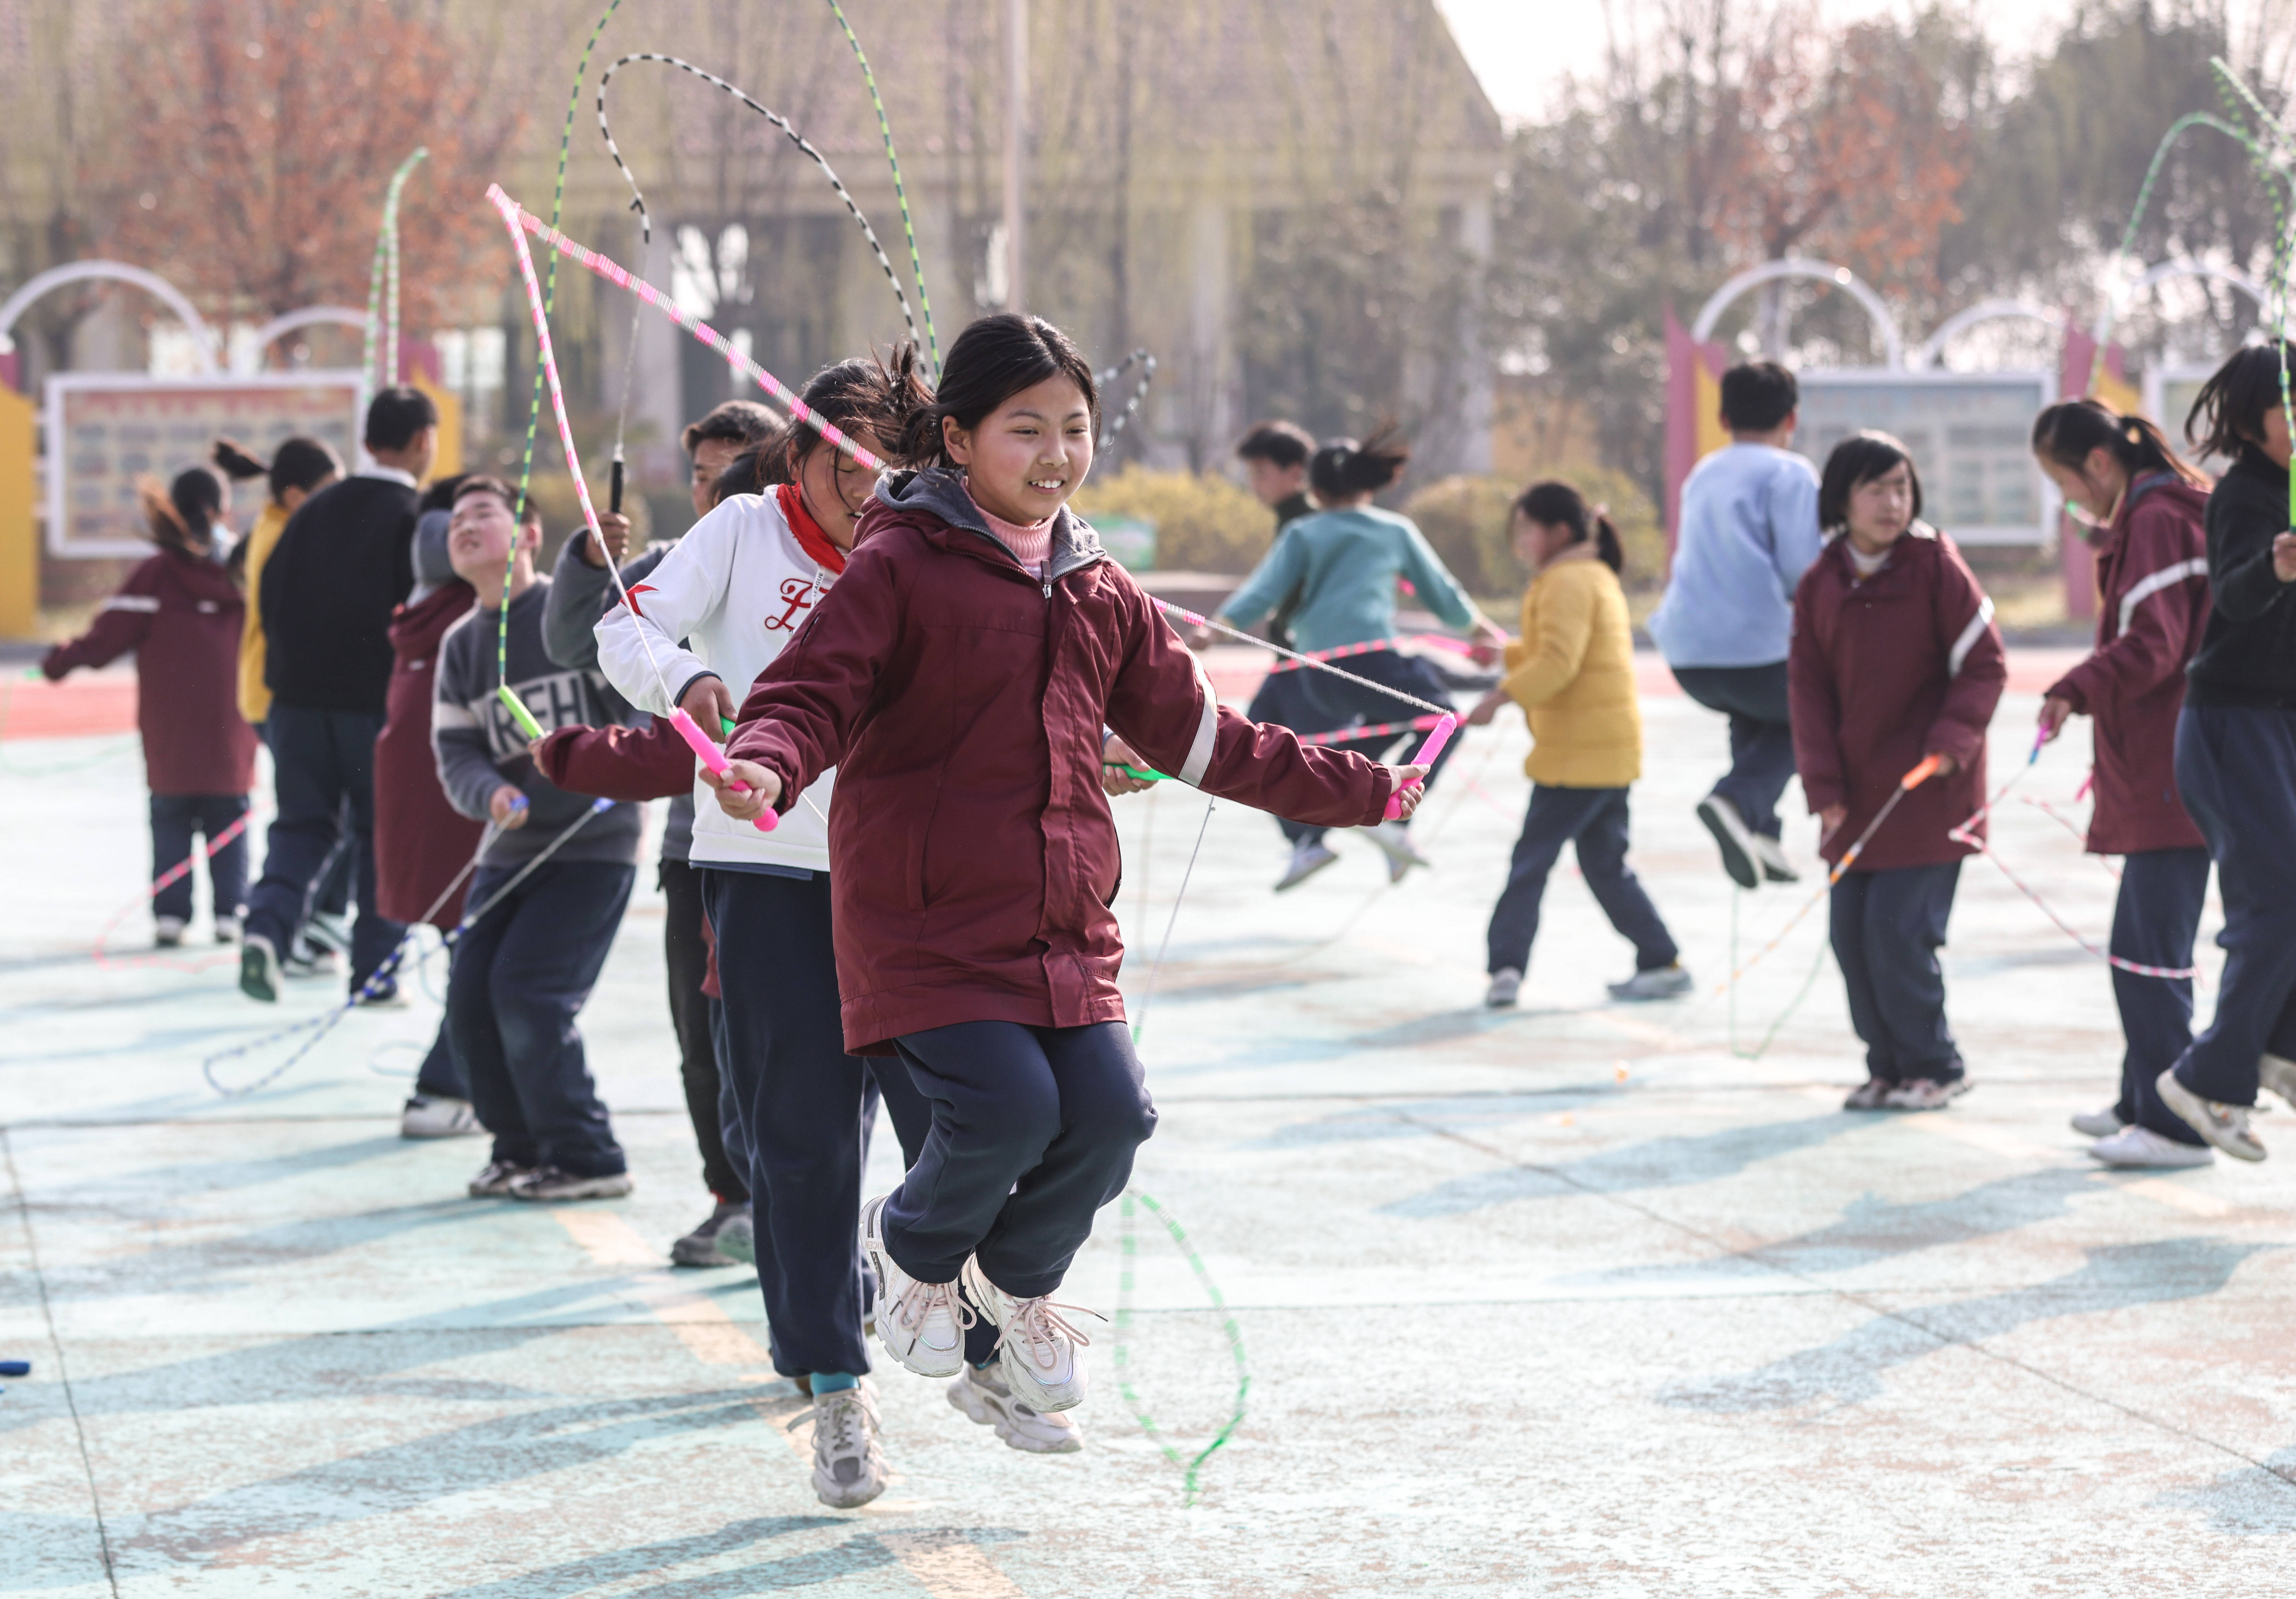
(2153, 589)
(1895, 661)
(959, 676)
(1573, 674)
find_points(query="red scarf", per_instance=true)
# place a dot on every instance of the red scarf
(810, 539)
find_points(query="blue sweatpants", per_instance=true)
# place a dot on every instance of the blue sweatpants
(2236, 773)
(1033, 1131)
(1594, 820)
(802, 1111)
(1887, 928)
(2154, 922)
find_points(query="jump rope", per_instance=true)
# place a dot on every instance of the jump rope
(380, 364)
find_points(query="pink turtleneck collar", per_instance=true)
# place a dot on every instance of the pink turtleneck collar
(1032, 542)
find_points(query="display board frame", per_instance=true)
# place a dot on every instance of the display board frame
(59, 389)
(2038, 533)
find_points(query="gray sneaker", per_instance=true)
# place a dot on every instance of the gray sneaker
(259, 970)
(1924, 1094)
(2222, 1125)
(1308, 857)
(2099, 1124)
(848, 1467)
(495, 1182)
(549, 1183)
(1772, 854)
(437, 1116)
(982, 1393)
(706, 1244)
(1733, 838)
(1506, 987)
(1667, 982)
(1868, 1094)
(1394, 841)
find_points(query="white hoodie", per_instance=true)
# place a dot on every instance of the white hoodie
(735, 588)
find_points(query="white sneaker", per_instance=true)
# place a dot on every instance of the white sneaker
(2099, 1124)
(2142, 1146)
(1506, 987)
(1394, 841)
(1924, 1094)
(437, 1116)
(848, 1467)
(166, 931)
(2279, 1075)
(1667, 982)
(1771, 854)
(2224, 1126)
(1308, 857)
(227, 929)
(1733, 838)
(983, 1394)
(1037, 1349)
(1868, 1094)
(920, 1324)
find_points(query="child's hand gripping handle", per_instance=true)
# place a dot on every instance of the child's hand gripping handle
(1920, 773)
(712, 756)
(1437, 737)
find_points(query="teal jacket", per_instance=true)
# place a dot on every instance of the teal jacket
(1349, 560)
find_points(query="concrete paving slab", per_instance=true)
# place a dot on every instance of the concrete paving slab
(1581, 1299)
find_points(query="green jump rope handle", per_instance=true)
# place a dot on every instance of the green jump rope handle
(726, 725)
(519, 713)
(1147, 777)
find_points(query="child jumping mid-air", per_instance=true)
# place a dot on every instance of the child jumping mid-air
(1573, 674)
(1894, 658)
(959, 676)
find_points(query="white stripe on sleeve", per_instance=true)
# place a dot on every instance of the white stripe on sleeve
(1200, 754)
(149, 605)
(2168, 576)
(1970, 635)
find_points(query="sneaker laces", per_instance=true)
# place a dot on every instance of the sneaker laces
(1041, 1326)
(919, 1300)
(847, 1417)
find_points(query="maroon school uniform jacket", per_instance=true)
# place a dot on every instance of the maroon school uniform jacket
(2153, 584)
(1882, 671)
(421, 842)
(619, 763)
(182, 615)
(961, 699)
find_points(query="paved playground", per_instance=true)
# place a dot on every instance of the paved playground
(1574, 1300)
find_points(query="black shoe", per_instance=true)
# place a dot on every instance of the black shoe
(259, 970)
(494, 1181)
(1734, 839)
(723, 1239)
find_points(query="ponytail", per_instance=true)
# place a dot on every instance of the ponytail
(1345, 468)
(299, 461)
(184, 517)
(1557, 505)
(2068, 432)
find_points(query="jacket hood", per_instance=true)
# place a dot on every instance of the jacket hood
(938, 492)
(207, 577)
(2162, 490)
(418, 627)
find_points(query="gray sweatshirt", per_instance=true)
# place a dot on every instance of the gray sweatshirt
(579, 594)
(481, 746)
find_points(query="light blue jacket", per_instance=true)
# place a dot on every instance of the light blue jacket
(1349, 560)
(1749, 531)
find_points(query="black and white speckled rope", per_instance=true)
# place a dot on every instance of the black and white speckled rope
(1147, 364)
(637, 196)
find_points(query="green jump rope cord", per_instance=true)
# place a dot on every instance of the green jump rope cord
(1127, 1242)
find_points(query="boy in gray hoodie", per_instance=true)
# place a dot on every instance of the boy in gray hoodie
(523, 971)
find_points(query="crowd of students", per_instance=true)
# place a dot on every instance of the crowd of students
(935, 679)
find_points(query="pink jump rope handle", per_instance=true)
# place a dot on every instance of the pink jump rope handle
(712, 756)
(1437, 737)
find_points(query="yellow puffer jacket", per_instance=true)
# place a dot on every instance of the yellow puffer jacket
(254, 697)
(1573, 674)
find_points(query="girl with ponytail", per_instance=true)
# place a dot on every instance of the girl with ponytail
(1573, 674)
(1334, 577)
(180, 613)
(298, 469)
(2142, 509)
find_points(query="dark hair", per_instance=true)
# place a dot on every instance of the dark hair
(1342, 470)
(185, 517)
(863, 397)
(2066, 432)
(441, 494)
(1557, 505)
(753, 471)
(1860, 458)
(395, 416)
(472, 483)
(1280, 444)
(736, 421)
(1757, 396)
(299, 461)
(991, 361)
(2234, 400)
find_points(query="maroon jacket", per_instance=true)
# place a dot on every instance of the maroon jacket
(1883, 672)
(181, 613)
(619, 763)
(421, 842)
(2152, 580)
(973, 858)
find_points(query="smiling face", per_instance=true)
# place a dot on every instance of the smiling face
(1030, 455)
(1880, 509)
